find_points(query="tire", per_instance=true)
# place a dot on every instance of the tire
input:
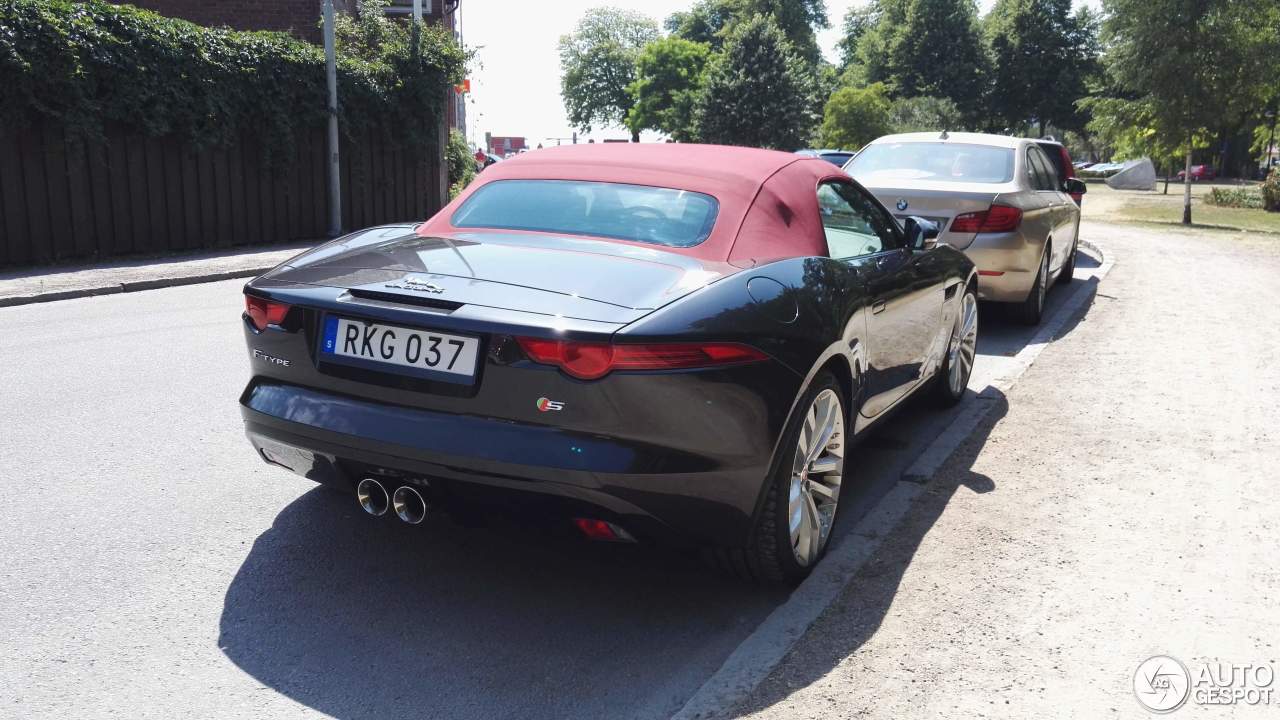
(1030, 311)
(957, 363)
(772, 556)
(1068, 272)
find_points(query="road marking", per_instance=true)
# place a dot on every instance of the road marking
(761, 651)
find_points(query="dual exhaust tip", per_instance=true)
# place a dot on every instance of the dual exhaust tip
(406, 501)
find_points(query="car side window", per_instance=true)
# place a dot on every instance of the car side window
(853, 224)
(1044, 178)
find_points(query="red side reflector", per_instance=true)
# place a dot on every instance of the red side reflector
(997, 218)
(991, 272)
(601, 530)
(588, 361)
(264, 312)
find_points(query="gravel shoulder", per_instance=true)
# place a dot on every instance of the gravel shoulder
(1118, 503)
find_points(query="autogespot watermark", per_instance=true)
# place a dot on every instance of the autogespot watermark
(1163, 684)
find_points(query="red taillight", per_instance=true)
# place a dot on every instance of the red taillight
(588, 360)
(997, 218)
(264, 312)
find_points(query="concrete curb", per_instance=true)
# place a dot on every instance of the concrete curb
(116, 288)
(757, 655)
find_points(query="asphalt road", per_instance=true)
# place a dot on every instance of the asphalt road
(153, 566)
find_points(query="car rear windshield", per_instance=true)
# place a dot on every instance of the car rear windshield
(943, 162)
(662, 216)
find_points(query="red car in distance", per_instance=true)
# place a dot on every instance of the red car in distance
(1198, 172)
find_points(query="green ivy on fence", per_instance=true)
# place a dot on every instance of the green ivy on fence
(87, 63)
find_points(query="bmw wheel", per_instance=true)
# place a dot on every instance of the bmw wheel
(1030, 311)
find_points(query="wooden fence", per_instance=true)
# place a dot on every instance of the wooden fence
(132, 194)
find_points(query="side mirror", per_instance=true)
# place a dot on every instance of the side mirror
(921, 234)
(1075, 186)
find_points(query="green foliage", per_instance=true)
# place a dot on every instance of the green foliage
(758, 92)
(1042, 56)
(925, 114)
(88, 63)
(858, 21)
(461, 161)
(854, 117)
(1233, 197)
(597, 62)
(710, 21)
(669, 77)
(927, 48)
(1271, 191)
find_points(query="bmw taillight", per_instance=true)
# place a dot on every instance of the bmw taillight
(997, 218)
(263, 312)
(590, 360)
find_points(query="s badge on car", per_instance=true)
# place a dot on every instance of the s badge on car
(545, 405)
(902, 204)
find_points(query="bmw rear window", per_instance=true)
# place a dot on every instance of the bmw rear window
(661, 216)
(936, 161)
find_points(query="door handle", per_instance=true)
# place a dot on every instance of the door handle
(877, 307)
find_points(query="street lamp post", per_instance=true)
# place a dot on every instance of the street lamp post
(335, 167)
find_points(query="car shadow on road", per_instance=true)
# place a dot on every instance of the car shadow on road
(357, 616)
(872, 590)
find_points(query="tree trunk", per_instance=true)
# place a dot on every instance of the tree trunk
(1186, 190)
(635, 136)
(1167, 167)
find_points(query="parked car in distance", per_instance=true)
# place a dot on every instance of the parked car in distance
(611, 338)
(835, 157)
(1061, 159)
(1198, 173)
(997, 198)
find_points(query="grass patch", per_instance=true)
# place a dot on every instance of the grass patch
(1104, 204)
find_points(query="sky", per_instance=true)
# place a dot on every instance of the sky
(515, 81)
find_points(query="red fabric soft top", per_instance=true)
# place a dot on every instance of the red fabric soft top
(766, 194)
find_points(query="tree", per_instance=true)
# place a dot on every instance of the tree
(924, 114)
(857, 22)
(669, 78)
(1042, 55)
(710, 21)
(924, 48)
(1184, 66)
(758, 92)
(854, 117)
(597, 62)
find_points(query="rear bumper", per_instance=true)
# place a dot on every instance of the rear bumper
(656, 493)
(1011, 256)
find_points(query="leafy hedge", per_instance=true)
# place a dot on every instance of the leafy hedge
(1271, 191)
(86, 63)
(1233, 197)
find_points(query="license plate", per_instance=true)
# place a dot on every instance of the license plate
(400, 349)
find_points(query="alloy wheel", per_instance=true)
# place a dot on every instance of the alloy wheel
(1042, 286)
(815, 477)
(964, 345)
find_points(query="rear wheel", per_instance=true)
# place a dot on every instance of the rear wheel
(1069, 267)
(794, 525)
(1030, 311)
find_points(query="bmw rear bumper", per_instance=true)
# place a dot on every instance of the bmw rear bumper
(656, 493)
(1007, 265)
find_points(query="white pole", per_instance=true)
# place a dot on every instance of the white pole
(417, 11)
(335, 168)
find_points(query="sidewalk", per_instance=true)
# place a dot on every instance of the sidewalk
(34, 285)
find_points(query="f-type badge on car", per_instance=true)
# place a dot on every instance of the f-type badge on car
(723, 337)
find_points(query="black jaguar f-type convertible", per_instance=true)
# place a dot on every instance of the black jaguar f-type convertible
(650, 342)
